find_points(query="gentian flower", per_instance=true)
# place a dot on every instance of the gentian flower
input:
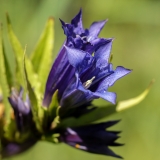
(22, 133)
(92, 138)
(79, 76)
(81, 73)
(22, 109)
(79, 38)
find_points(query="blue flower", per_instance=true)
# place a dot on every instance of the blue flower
(23, 126)
(22, 110)
(77, 37)
(92, 138)
(82, 71)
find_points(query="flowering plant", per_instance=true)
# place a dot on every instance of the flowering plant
(58, 107)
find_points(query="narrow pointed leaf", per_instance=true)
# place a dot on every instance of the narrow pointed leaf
(122, 105)
(4, 83)
(33, 98)
(8, 71)
(18, 51)
(42, 56)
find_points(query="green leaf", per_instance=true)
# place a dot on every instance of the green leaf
(32, 97)
(122, 105)
(42, 56)
(4, 82)
(8, 71)
(18, 50)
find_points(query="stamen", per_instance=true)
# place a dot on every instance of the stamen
(77, 146)
(88, 83)
(80, 147)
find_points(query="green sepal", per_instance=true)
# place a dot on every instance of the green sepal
(54, 110)
(53, 138)
(42, 55)
(50, 115)
(53, 107)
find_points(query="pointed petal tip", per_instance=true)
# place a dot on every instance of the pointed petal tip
(128, 71)
(77, 18)
(108, 96)
(80, 11)
(115, 122)
(96, 28)
(108, 40)
(105, 21)
(121, 144)
(62, 22)
(124, 71)
(114, 102)
(119, 157)
(113, 38)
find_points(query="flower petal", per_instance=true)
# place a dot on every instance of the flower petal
(57, 72)
(78, 58)
(95, 29)
(77, 23)
(93, 45)
(103, 52)
(67, 28)
(109, 96)
(111, 79)
(75, 56)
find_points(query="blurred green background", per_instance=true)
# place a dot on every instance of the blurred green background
(136, 27)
